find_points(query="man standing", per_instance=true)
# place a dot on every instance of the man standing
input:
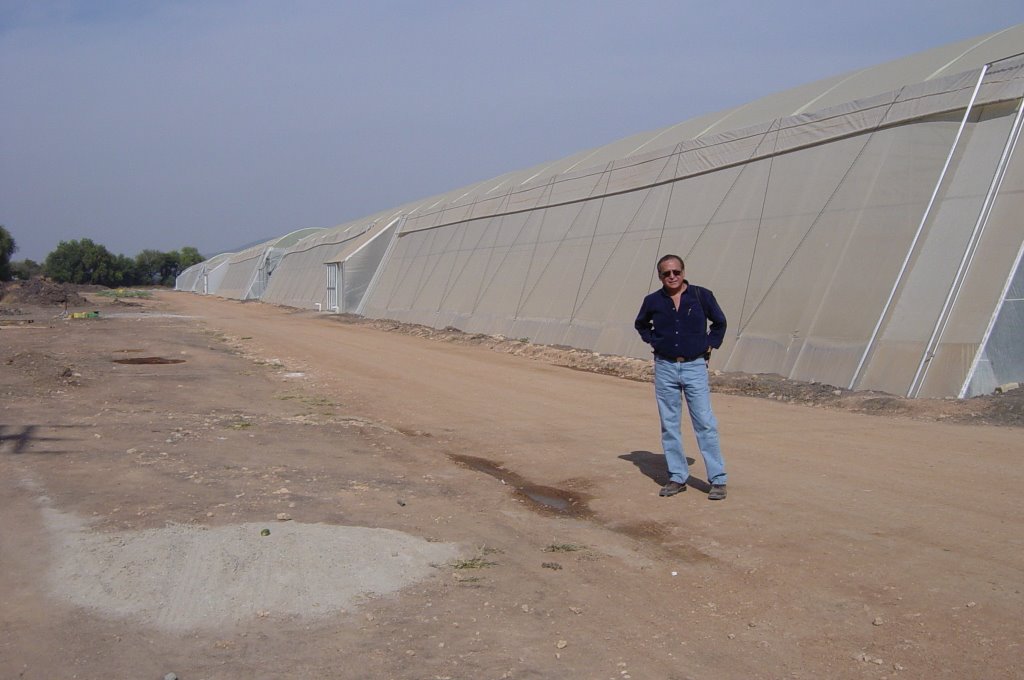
(674, 322)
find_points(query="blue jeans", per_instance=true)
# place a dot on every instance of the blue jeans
(672, 380)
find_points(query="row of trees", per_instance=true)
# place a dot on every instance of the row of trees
(84, 261)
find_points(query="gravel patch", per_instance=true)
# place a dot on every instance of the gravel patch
(185, 577)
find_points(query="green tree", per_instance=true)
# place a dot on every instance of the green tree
(171, 268)
(26, 269)
(129, 273)
(148, 266)
(7, 248)
(157, 268)
(178, 261)
(189, 257)
(86, 262)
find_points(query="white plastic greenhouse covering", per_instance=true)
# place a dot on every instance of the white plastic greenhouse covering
(301, 276)
(863, 231)
(249, 270)
(204, 277)
(242, 269)
(188, 279)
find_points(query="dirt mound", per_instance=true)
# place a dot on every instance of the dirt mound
(40, 292)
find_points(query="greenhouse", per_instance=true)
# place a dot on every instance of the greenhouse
(204, 277)
(249, 270)
(861, 231)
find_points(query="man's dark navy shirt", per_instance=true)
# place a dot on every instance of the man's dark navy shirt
(683, 332)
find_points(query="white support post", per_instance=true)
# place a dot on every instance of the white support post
(966, 260)
(917, 235)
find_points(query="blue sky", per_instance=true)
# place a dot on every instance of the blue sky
(216, 123)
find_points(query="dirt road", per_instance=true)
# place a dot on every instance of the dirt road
(851, 546)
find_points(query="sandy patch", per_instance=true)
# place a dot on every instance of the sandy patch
(187, 576)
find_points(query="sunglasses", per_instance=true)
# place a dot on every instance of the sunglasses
(670, 272)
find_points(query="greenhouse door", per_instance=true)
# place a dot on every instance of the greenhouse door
(332, 286)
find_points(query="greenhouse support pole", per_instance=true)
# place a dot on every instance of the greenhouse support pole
(917, 235)
(965, 262)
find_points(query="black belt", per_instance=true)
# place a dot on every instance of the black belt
(681, 360)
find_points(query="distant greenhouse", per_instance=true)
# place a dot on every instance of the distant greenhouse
(861, 231)
(204, 277)
(331, 270)
(249, 271)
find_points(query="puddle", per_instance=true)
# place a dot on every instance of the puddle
(538, 497)
(554, 502)
(149, 360)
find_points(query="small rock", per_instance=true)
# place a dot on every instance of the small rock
(576, 610)
(401, 502)
(171, 676)
(732, 636)
(265, 532)
(561, 644)
(283, 516)
(972, 604)
(878, 621)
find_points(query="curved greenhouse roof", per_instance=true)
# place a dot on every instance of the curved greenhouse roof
(291, 239)
(834, 91)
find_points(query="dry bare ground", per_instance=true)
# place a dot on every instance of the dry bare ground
(450, 506)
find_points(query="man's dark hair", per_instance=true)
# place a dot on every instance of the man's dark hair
(670, 257)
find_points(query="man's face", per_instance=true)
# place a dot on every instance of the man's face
(671, 273)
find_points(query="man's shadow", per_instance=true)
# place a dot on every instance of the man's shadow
(652, 465)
